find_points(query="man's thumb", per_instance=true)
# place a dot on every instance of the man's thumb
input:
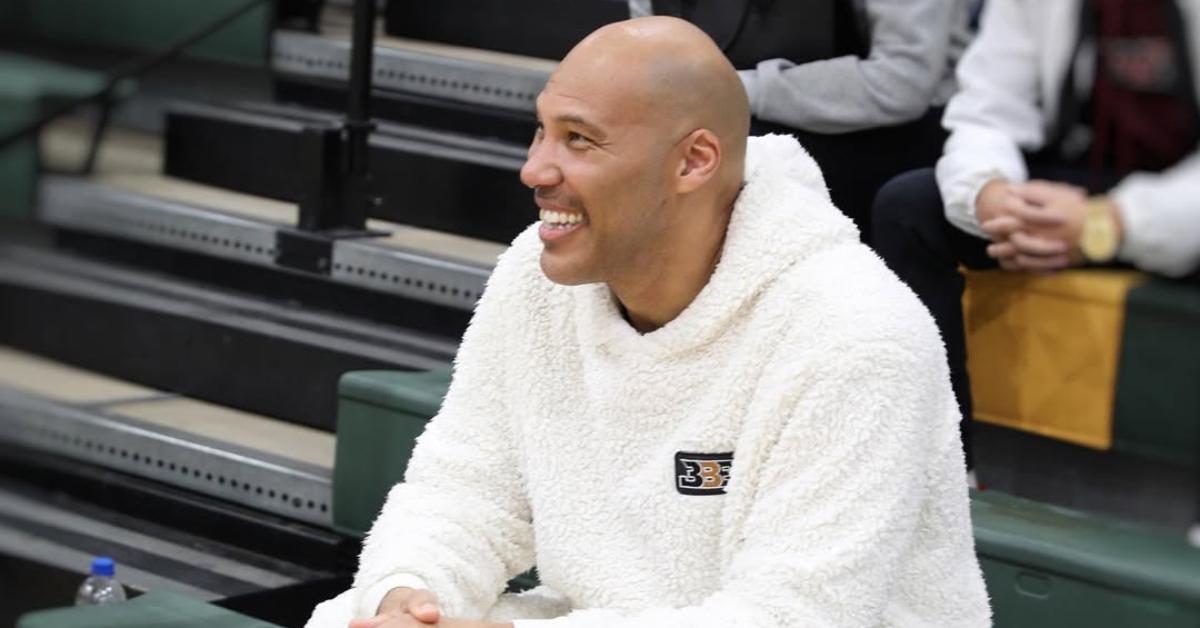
(423, 605)
(368, 622)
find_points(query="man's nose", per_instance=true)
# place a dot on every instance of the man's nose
(540, 169)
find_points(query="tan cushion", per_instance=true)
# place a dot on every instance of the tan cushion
(1042, 350)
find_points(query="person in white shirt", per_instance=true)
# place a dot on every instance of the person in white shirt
(1073, 141)
(689, 395)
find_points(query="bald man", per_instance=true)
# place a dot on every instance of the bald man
(688, 394)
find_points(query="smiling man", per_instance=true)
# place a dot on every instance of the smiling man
(689, 395)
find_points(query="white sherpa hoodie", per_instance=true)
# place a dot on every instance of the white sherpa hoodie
(804, 358)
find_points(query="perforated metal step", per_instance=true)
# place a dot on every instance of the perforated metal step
(255, 478)
(476, 80)
(86, 206)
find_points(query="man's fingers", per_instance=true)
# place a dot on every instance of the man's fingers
(1038, 246)
(1002, 251)
(1002, 227)
(1031, 263)
(1039, 263)
(1016, 207)
(1024, 252)
(1043, 192)
(1009, 263)
(423, 605)
(427, 613)
(368, 622)
(1044, 217)
(406, 620)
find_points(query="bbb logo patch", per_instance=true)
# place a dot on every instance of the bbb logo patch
(702, 474)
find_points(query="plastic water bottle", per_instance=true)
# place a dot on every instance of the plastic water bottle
(100, 587)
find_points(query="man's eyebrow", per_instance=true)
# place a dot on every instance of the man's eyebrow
(570, 118)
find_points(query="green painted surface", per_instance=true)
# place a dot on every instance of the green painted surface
(1033, 598)
(25, 84)
(156, 609)
(1157, 411)
(380, 416)
(18, 162)
(29, 78)
(147, 25)
(1048, 566)
(1044, 566)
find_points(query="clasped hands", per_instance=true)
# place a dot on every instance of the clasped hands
(1034, 226)
(416, 608)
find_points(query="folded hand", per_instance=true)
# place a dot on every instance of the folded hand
(1034, 226)
(413, 608)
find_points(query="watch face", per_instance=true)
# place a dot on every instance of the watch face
(1099, 238)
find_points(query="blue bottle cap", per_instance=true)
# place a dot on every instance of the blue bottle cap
(103, 566)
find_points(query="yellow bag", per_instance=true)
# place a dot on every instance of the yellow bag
(1042, 350)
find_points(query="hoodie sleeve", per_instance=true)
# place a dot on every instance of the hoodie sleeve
(459, 525)
(1162, 224)
(994, 115)
(836, 503)
(896, 83)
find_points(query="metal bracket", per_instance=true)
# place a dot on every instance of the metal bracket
(306, 251)
(322, 162)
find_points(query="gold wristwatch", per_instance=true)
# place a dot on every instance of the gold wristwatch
(1099, 239)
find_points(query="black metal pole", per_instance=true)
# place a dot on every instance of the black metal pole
(358, 115)
(362, 48)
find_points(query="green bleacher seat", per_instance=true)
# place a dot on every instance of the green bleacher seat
(380, 416)
(156, 609)
(1044, 566)
(25, 85)
(1157, 411)
(144, 25)
(1047, 566)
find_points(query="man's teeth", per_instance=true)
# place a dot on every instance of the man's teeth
(559, 218)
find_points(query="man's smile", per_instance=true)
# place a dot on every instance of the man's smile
(557, 221)
(560, 219)
(557, 225)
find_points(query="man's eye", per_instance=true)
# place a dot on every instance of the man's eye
(575, 138)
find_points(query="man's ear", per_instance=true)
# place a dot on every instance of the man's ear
(700, 159)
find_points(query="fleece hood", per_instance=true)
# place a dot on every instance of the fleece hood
(782, 215)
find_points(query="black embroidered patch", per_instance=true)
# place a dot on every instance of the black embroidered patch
(702, 474)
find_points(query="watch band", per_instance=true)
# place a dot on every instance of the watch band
(1099, 240)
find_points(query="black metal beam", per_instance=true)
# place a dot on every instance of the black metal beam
(505, 125)
(128, 500)
(423, 183)
(226, 354)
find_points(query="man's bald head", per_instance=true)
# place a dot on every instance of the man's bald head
(638, 157)
(669, 73)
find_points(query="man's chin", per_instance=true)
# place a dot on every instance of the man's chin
(562, 271)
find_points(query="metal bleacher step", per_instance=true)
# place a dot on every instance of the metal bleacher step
(481, 77)
(127, 198)
(383, 266)
(232, 348)
(96, 465)
(256, 461)
(424, 176)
